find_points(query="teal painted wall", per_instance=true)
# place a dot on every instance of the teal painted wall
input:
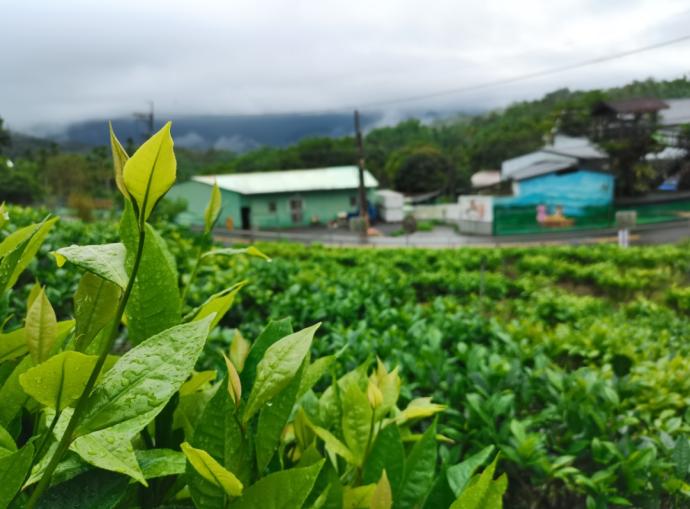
(322, 205)
(197, 195)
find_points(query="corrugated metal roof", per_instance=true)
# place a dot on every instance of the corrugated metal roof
(637, 105)
(564, 152)
(288, 181)
(512, 167)
(542, 168)
(582, 148)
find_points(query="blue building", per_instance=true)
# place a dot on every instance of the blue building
(564, 185)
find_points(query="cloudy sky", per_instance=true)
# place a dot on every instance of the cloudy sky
(69, 60)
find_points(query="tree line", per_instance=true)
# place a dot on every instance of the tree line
(412, 156)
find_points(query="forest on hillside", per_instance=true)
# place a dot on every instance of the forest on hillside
(411, 156)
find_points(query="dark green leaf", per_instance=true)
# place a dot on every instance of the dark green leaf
(13, 469)
(277, 368)
(420, 467)
(272, 420)
(273, 332)
(219, 433)
(460, 474)
(96, 489)
(95, 304)
(681, 457)
(287, 489)
(387, 453)
(154, 304)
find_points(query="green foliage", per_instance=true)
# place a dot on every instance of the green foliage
(112, 412)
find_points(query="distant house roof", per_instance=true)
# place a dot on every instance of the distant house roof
(637, 105)
(287, 181)
(565, 152)
(543, 168)
(581, 148)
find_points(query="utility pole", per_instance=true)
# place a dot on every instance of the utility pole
(148, 119)
(363, 214)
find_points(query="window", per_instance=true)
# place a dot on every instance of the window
(272, 207)
(353, 201)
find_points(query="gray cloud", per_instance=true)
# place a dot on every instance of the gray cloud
(70, 60)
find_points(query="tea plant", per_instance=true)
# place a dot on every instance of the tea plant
(107, 410)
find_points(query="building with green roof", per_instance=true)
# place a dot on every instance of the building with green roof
(276, 199)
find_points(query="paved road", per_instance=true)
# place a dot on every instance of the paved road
(445, 237)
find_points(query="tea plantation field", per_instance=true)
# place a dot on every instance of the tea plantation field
(573, 362)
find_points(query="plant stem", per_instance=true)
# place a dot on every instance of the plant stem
(192, 275)
(79, 408)
(46, 436)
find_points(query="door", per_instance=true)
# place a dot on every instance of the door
(246, 218)
(296, 210)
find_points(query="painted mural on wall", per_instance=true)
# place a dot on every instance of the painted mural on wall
(476, 208)
(576, 199)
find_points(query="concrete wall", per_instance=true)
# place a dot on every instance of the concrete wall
(447, 212)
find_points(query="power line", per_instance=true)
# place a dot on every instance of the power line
(522, 77)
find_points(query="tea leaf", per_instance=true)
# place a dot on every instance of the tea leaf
(229, 251)
(154, 304)
(105, 260)
(197, 381)
(387, 454)
(234, 384)
(95, 303)
(278, 367)
(7, 444)
(681, 457)
(41, 328)
(219, 433)
(269, 335)
(212, 209)
(59, 381)
(220, 304)
(485, 493)
(156, 463)
(13, 469)
(357, 421)
(239, 350)
(120, 158)
(460, 474)
(286, 489)
(420, 467)
(314, 372)
(12, 395)
(109, 451)
(150, 172)
(359, 497)
(419, 408)
(18, 249)
(95, 489)
(140, 383)
(273, 418)
(212, 471)
(383, 496)
(12, 345)
(332, 443)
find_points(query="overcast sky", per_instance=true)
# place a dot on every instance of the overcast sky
(69, 60)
